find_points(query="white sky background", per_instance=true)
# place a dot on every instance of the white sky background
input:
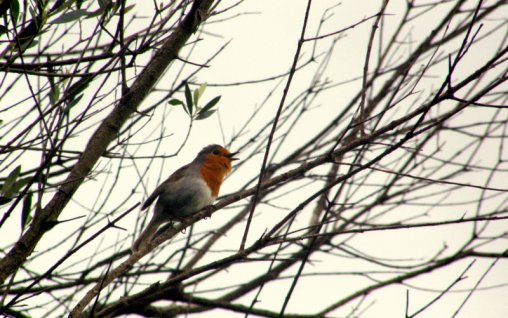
(263, 43)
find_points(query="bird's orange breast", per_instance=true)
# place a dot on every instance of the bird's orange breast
(213, 172)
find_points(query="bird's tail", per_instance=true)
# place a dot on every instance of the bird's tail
(147, 235)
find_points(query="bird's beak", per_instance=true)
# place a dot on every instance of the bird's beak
(232, 155)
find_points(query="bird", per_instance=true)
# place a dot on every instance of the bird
(187, 190)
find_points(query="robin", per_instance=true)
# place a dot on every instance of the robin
(187, 190)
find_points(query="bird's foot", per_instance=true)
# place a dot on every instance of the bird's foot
(208, 211)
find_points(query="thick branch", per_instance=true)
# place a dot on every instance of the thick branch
(104, 134)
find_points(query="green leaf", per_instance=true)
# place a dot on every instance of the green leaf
(4, 6)
(175, 102)
(128, 8)
(201, 89)
(3, 29)
(54, 94)
(78, 87)
(106, 8)
(211, 103)
(10, 181)
(104, 4)
(71, 16)
(33, 44)
(33, 14)
(16, 187)
(14, 11)
(25, 212)
(4, 200)
(205, 114)
(196, 97)
(198, 92)
(96, 13)
(188, 98)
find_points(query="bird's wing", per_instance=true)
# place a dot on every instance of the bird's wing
(178, 174)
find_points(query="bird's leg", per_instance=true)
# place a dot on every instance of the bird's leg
(163, 229)
(208, 211)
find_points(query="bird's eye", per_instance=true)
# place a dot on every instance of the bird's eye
(216, 151)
